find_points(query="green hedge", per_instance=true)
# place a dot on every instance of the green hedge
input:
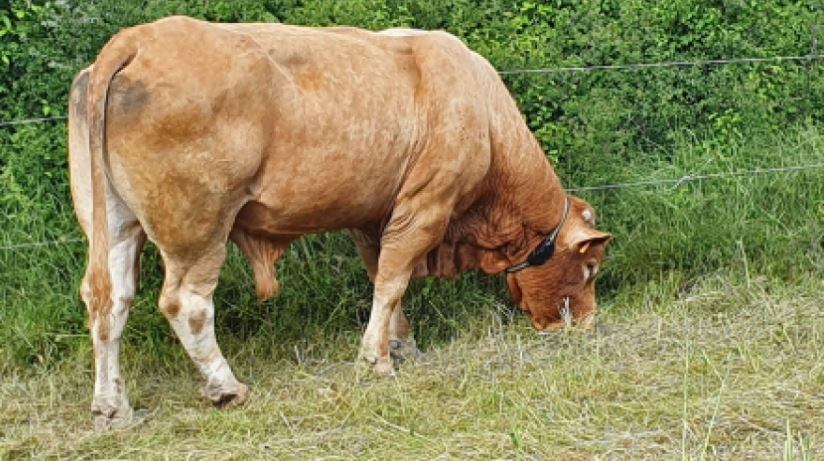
(597, 127)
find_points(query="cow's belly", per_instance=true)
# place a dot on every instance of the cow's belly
(347, 182)
(338, 153)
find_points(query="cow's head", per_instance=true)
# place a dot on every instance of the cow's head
(563, 286)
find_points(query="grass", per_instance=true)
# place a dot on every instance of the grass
(682, 365)
(730, 369)
(772, 223)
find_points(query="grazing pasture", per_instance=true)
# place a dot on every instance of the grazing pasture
(709, 341)
(727, 370)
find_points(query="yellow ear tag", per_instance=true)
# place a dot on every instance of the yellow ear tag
(584, 248)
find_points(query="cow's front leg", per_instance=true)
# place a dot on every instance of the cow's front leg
(401, 342)
(375, 345)
(412, 231)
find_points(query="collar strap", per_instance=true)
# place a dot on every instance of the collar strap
(544, 251)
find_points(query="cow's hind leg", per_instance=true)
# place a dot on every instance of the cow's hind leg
(401, 341)
(186, 301)
(110, 404)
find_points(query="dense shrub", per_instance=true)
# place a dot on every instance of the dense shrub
(597, 127)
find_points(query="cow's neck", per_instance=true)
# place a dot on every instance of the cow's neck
(522, 200)
(525, 203)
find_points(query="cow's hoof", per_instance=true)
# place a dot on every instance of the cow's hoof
(381, 366)
(122, 419)
(404, 349)
(223, 399)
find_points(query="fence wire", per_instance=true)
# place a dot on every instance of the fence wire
(659, 65)
(557, 70)
(27, 121)
(25, 245)
(676, 182)
(697, 177)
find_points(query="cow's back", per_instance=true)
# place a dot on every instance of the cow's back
(356, 109)
(315, 128)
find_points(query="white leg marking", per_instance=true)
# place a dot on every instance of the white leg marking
(375, 345)
(187, 302)
(194, 326)
(110, 399)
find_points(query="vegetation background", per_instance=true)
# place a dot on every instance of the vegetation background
(599, 127)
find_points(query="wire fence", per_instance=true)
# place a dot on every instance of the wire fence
(659, 65)
(27, 245)
(28, 121)
(572, 69)
(675, 182)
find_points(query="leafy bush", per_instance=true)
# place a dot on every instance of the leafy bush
(597, 127)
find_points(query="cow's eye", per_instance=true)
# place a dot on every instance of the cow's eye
(590, 271)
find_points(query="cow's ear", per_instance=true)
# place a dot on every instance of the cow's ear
(585, 238)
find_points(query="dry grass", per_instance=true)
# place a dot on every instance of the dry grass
(724, 372)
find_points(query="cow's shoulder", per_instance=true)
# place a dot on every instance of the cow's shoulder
(439, 51)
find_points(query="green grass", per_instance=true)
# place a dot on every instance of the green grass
(730, 369)
(682, 365)
(772, 224)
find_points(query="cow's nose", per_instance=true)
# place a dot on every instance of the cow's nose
(587, 322)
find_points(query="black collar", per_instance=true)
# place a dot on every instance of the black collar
(544, 251)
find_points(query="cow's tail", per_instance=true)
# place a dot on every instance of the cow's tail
(116, 55)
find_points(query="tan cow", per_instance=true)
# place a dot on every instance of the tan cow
(192, 134)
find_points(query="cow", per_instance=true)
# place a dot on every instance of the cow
(191, 134)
